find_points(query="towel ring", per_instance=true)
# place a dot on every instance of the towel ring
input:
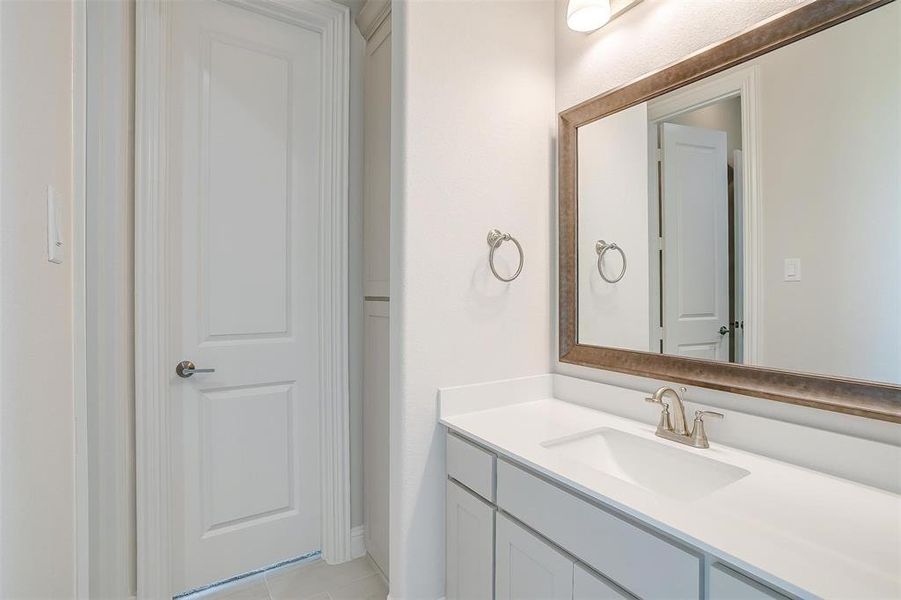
(495, 239)
(601, 247)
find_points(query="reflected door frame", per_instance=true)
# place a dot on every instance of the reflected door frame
(152, 289)
(742, 81)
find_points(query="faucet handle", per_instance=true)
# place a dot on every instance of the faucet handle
(700, 414)
(698, 434)
(665, 423)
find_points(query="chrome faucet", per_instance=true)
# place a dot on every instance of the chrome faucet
(676, 430)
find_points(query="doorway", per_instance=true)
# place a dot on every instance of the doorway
(241, 289)
(703, 210)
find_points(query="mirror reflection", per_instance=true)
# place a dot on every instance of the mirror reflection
(755, 216)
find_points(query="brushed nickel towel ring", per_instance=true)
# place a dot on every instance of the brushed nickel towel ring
(601, 248)
(495, 239)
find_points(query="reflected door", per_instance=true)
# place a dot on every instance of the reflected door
(695, 216)
(244, 156)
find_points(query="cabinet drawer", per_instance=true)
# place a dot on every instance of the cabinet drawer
(527, 567)
(588, 586)
(610, 545)
(726, 584)
(470, 545)
(471, 466)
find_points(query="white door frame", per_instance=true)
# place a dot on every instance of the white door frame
(743, 82)
(152, 272)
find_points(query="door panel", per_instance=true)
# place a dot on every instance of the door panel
(528, 568)
(247, 437)
(244, 153)
(695, 242)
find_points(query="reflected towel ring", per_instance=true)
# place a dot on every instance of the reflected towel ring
(601, 248)
(495, 239)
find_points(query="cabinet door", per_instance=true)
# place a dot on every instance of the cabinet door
(527, 568)
(470, 545)
(726, 584)
(588, 586)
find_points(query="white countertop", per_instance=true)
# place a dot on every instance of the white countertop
(806, 532)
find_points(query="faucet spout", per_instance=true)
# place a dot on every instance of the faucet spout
(679, 425)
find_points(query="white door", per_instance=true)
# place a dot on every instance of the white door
(244, 154)
(695, 242)
(527, 568)
(469, 545)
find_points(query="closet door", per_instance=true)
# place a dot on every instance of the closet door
(375, 431)
(377, 161)
(375, 25)
(527, 568)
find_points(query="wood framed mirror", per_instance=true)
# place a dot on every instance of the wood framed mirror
(868, 385)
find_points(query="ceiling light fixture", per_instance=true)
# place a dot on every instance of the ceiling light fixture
(587, 15)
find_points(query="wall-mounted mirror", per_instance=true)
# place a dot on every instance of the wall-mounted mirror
(752, 216)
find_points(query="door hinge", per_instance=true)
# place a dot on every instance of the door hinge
(659, 154)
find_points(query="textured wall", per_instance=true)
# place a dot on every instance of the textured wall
(473, 97)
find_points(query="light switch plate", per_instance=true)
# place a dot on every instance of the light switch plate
(54, 227)
(792, 270)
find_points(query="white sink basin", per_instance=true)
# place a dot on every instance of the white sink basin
(648, 464)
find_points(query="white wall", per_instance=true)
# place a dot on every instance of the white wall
(652, 35)
(37, 498)
(472, 148)
(613, 156)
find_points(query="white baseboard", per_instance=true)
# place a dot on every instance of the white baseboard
(357, 543)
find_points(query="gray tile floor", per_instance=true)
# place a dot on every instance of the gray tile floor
(358, 579)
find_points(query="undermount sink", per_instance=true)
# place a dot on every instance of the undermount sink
(648, 464)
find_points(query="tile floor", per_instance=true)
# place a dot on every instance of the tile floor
(359, 579)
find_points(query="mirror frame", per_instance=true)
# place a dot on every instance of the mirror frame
(856, 397)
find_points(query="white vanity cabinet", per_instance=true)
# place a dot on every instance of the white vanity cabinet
(514, 535)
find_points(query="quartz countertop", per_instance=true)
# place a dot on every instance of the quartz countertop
(806, 532)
